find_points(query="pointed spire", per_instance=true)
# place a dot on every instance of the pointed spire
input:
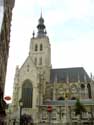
(41, 27)
(41, 12)
(33, 34)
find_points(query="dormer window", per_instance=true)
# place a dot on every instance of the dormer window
(36, 47)
(41, 47)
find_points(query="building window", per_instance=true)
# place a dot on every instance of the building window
(82, 86)
(40, 61)
(89, 90)
(27, 94)
(36, 47)
(41, 47)
(35, 61)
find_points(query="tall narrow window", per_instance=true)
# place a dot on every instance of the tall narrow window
(35, 61)
(89, 90)
(40, 61)
(36, 47)
(27, 94)
(41, 47)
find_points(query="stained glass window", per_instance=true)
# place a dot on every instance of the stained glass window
(27, 94)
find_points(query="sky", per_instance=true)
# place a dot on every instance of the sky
(69, 25)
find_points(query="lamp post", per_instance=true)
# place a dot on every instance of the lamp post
(20, 106)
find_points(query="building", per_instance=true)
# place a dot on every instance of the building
(37, 84)
(6, 7)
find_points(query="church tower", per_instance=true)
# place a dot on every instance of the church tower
(31, 78)
(40, 50)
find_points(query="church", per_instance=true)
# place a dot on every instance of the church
(37, 84)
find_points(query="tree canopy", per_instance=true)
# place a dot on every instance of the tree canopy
(79, 108)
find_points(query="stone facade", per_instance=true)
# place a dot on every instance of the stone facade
(36, 83)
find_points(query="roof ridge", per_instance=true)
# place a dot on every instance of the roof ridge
(68, 68)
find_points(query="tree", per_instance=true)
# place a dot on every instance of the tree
(79, 108)
(25, 119)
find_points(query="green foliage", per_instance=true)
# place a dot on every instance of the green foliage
(25, 118)
(79, 108)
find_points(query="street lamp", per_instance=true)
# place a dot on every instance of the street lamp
(20, 106)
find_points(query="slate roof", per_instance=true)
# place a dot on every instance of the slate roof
(69, 74)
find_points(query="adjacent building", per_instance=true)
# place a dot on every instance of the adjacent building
(6, 7)
(37, 84)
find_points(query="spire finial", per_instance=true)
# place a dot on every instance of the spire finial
(33, 33)
(41, 12)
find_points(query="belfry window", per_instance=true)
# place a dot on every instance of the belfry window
(36, 47)
(27, 94)
(41, 47)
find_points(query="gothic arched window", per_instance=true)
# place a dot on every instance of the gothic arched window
(27, 94)
(41, 47)
(89, 90)
(82, 86)
(36, 47)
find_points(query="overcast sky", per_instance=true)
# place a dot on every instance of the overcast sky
(70, 27)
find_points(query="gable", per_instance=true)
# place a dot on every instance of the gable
(28, 66)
